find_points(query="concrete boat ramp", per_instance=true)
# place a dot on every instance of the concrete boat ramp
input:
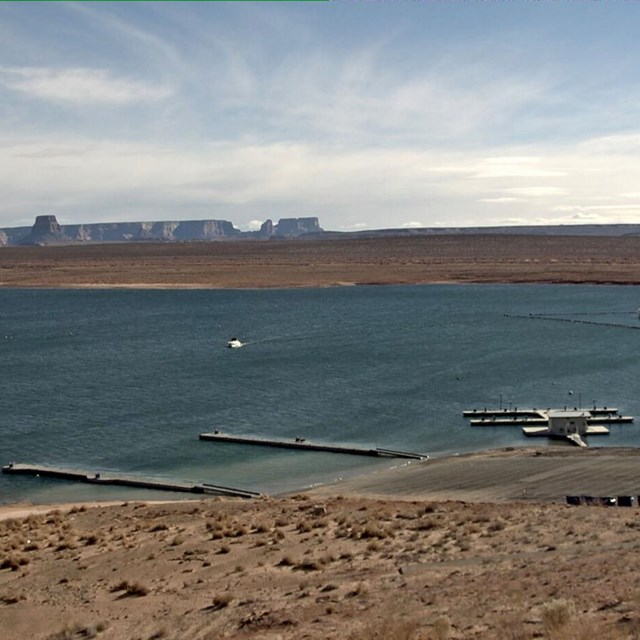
(306, 445)
(125, 480)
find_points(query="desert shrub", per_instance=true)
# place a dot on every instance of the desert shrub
(73, 631)
(389, 629)
(131, 589)
(309, 565)
(426, 525)
(373, 531)
(221, 600)
(12, 562)
(441, 628)
(362, 589)
(556, 613)
(303, 527)
(497, 525)
(261, 527)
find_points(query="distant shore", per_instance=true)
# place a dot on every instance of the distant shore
(326, 263)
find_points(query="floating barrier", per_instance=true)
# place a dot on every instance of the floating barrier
(558, 318)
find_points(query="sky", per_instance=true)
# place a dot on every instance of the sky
(366, 114)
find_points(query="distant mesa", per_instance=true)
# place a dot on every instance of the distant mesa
(47, 231)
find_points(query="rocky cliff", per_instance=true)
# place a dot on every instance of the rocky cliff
(290, 227)
(47, 230)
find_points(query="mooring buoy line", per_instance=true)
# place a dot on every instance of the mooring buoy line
(550, 318)
(588, 313)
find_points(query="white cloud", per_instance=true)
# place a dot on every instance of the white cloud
(252, 225)
(347, 187)
(80, 85)
(537, 192)
(515, 167)
(411, 225)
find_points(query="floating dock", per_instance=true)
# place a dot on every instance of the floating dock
(306, 445)
(560, 424)
(125, 480)
(539, 417)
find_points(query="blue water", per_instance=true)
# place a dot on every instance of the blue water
(126, 380)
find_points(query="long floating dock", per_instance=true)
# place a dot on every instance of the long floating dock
(534, 417)
(306, 445)
(125, 480)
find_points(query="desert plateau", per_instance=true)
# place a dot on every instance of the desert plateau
(321, 263)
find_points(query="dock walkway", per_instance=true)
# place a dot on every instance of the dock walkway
(125, 480)
(534, 417)
(306, 445)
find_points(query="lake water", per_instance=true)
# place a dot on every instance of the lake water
(125, 380)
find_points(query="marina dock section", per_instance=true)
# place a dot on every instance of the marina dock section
(570, 424)
(125, 480)
(539, 417)
(306, 445)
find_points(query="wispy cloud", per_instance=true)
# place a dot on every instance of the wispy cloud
(367, 117)
(80, 86)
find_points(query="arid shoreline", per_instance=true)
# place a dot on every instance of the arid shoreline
(479, 546)
(347, 561)
(325, 263)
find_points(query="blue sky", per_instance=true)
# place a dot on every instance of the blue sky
(365, 114)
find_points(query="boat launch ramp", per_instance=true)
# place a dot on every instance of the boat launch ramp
(125, 480)
(307, 445)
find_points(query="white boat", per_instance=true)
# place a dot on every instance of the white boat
(235, 343)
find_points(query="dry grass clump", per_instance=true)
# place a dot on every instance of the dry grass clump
(557, 613)
(387, 629)
(221, 601)
(130, 589)
(13, 562)
(78, 631)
